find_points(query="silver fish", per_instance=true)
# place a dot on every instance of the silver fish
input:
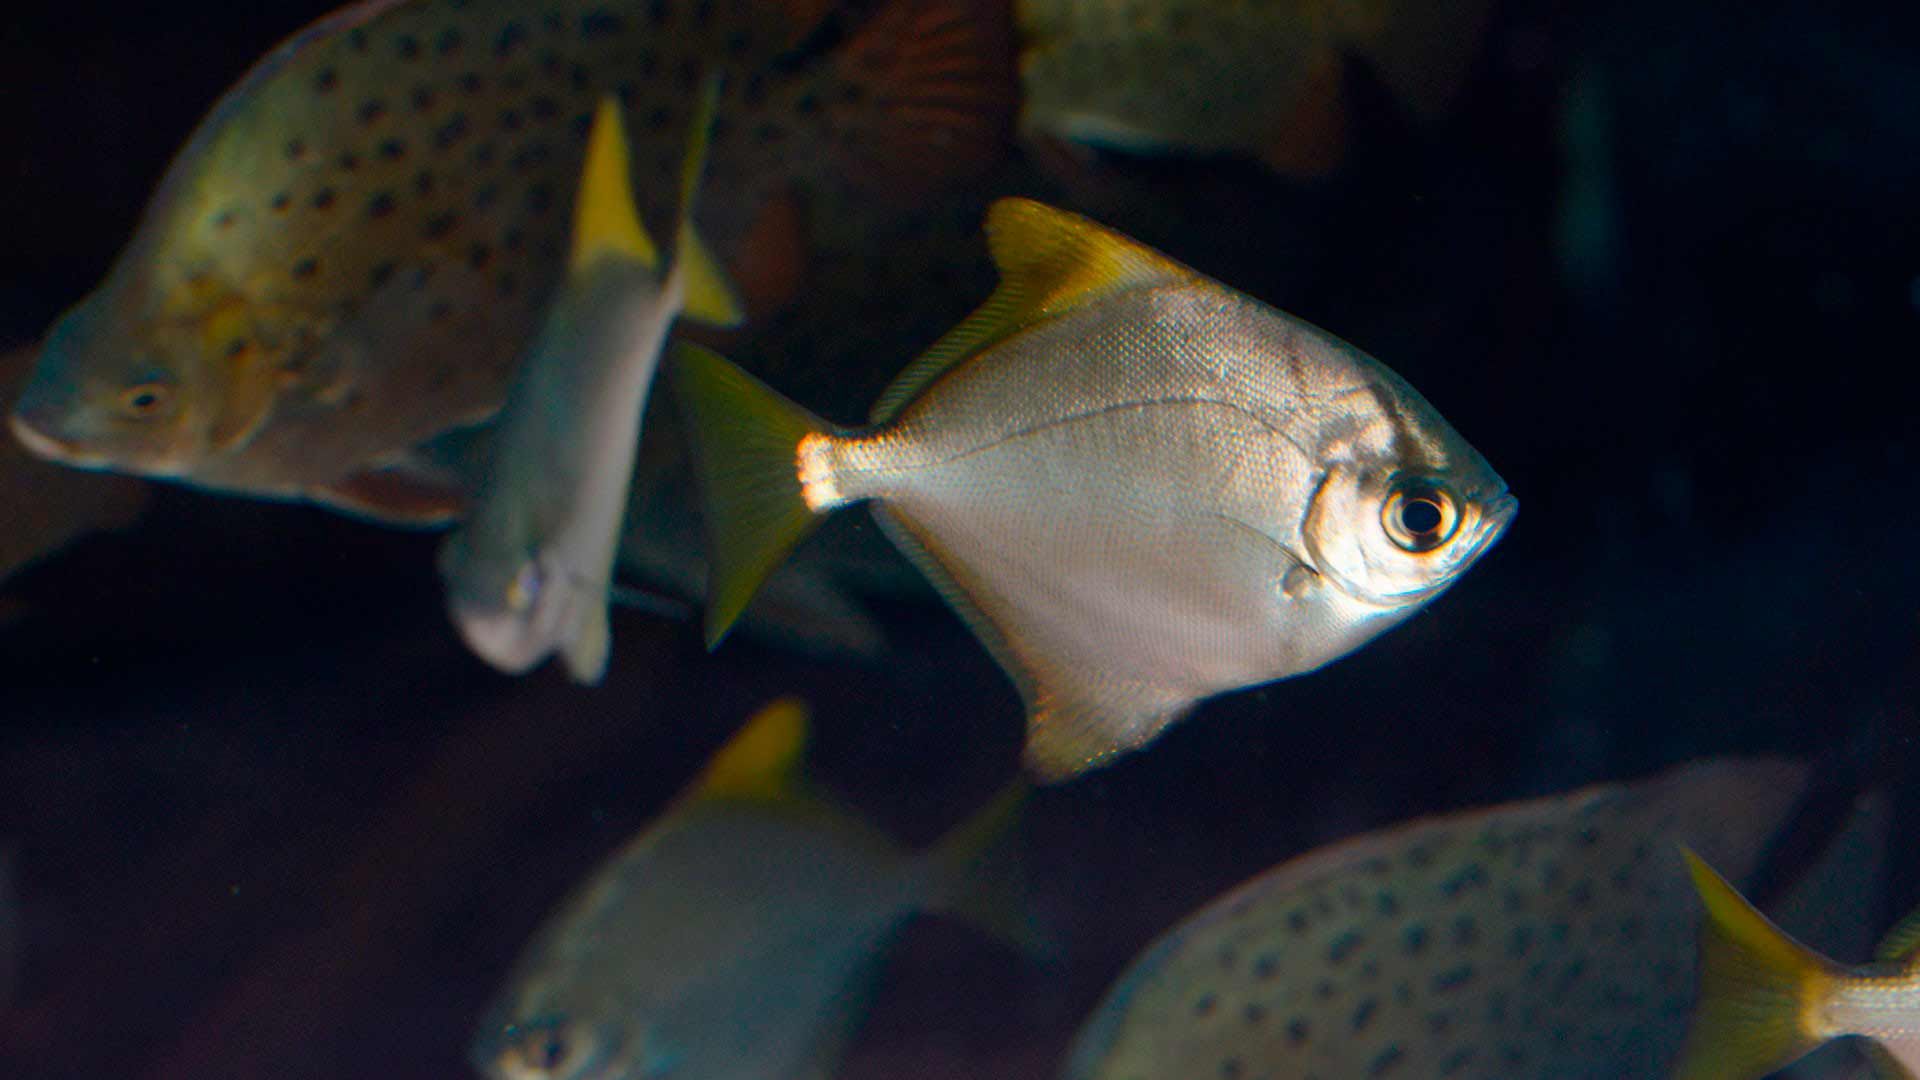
(734, 939)
(1139, 487)
(1549, 938)
(530, 570)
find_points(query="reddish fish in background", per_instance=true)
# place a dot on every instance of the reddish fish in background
(350, 255)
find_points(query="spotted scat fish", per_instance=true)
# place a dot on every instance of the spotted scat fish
(1549, 938)
(530, 570)
(352, 252)
(734, 939)
(1140, 487)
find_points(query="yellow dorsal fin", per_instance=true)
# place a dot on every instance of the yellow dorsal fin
(710, 296)
(762, 760)
(605, 221)
(1050, 261)
(1901, 942)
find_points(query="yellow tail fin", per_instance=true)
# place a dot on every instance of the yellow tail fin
(1759, 989)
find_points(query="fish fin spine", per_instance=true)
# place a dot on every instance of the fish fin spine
(588, 649)
(762, 761)
(1759, 990)
(605, 220)
(1050, 262)
(747, 441)
(931, 90)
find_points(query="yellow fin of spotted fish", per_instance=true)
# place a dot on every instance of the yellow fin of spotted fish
(1758, 988)
(710, 297)
(746, 437)
(1050, 262)
(605, 221)
(762, 760)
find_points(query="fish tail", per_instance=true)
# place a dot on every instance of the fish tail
(979, 875)
(931, 90)
(1758, 989)
(747, 441)
(711, 298)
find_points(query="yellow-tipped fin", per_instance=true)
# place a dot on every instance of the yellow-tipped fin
(1758, 989)
(710, 297)
(1050, 262)
(762, 760)
(605, 221)
(746, 443)
(1902, 941)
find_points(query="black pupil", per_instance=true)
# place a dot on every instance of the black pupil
(552, 1052)
(1420, 515)
(145, 399)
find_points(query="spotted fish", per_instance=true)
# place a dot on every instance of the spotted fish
(1265, 79)
(1138, 486)
(1550, 938)
(734, 939)
(352, 252)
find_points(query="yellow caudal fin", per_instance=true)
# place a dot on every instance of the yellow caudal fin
(1758, 989)
(762, 761)
(746, 442)
(605, 221)
(1050, 262)
(710, 297)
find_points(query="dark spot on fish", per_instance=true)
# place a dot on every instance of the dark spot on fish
(512, 36)
(582, 125)
(479, 256)
(1413, 940)
(296, 149)
(657, 118)
(1266, 966)
(323, 199)
(421, 276)
(451, 132)
(544, 107)
(1465, 931)
(1254, 1013)
(511, 120)
(305, 269)
(373, 111)
(552, 64)
(357, 39)
(1551, 874)
(852, 94)
(282, 202)
(1575, 970)
(1513, 1057)
(1471, 876)
(628, 92)
(539, 199)
(407, 46)
(225, 219)
(327, 81)
(1297, 1031)
(391, 150)
(739, 43)
(1519, 941)
(449, 41)
(236, 348)
(1420, 856)
(1343, 947)
(1386, 1061)
(485, 197)
(424, 182)
(353, 400)
(423, 99)
(1369, 970)
(439, 225)
(1439, 1023)
(380, 205)
(513, 239)
(471, 83)
(807, 104)
(1386, 904)
(484, 155)
(1403, 993)
(1325, 990)
(1232, 1069)
(1453, 978)
(1456, 1061)
(1363, 1013)
(381, 274)
(1513, 900)
(1631, 928)
(1205, 1005)
(1297, 920)
(1586, 837)
(600, 23)
(1559, 931)
(1581, 895)
(349, 161)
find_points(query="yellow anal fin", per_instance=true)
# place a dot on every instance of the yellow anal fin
(1050, 262)
(762, 760)
(1758, 989)
(605, 221)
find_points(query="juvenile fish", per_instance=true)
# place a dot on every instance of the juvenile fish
(530, 570)
(1138, 486)
(353, 251)
(1766, 1000)
(1549, 938)
(734, 939)
(1262, 79)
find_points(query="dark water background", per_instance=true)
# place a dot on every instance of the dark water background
(270, 819)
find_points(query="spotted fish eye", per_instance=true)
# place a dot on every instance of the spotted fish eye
(1420, 515)
(143, 400)
(545, 1048)
(524, 589)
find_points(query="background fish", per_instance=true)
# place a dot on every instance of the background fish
(1139, 487)
(43, 507)
(1767, 1000)
(531, 569)
(349, 255)
(732, 940)
(1543, 938)
(1266, 79)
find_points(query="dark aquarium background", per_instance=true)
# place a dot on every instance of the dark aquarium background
(1661, 265)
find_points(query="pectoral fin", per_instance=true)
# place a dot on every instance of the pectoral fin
(588, 646)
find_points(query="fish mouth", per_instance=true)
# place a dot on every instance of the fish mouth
(42, 443)
(504, 639)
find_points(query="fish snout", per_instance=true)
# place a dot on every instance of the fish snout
(36, 426)
(506, 639)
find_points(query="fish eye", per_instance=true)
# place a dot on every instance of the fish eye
(142, 400)
(1420, 516)
(547, 1048)
(524, 589)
